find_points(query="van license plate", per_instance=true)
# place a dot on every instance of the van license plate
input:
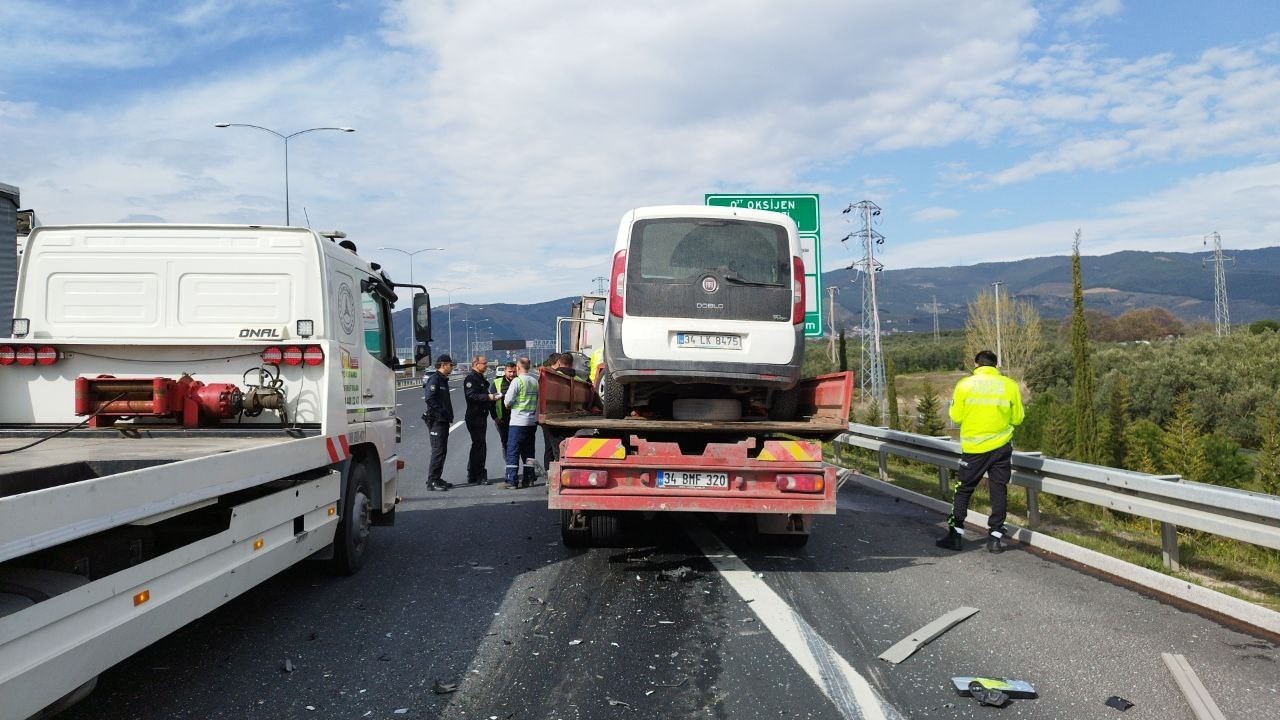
(683, 479)
(704, 340)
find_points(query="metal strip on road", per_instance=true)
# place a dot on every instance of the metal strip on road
(852, 695)
(906, 647)
(1193, 690)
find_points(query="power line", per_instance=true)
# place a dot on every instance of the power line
(1221, 314)
(872, 376)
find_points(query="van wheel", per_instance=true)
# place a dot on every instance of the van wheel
(613, 396)
(785, 405)
(352, 538)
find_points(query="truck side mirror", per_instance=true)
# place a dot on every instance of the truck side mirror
(598, 308)
(422, 317)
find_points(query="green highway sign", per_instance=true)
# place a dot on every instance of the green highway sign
(803, 209)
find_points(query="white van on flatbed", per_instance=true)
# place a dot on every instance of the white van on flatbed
(187, 411)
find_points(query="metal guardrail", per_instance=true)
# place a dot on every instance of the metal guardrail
(1174, 502)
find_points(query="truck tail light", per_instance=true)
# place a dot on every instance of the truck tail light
(618, 284)
(797, 291)
(801, 483)
(313, 355)
(7, 355)
(26, 355)
(46, 355)
(584, 478)
(272, 356)
(292, 355)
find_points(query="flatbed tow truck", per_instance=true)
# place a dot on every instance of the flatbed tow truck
(188, 410)
(611, 468)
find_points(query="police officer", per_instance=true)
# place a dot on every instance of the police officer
(501, 415)
(475, 388)
(986, 406)
(439, 417)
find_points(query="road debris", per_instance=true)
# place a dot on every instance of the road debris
(906, 647)
(987, 696)
(575, 642)
(401, 711)
(286, 666)
(440, 688)
(615, 703)
(312, 708)
(1017, 689)
(1119, 703)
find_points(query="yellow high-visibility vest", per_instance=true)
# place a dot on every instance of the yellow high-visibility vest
(986, 405)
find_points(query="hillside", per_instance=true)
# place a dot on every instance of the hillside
(1113, 284)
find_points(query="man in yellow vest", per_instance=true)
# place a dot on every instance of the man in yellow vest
(986, 405)
(522, 400)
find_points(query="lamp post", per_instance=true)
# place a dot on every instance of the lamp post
(448, 294)
(472, 327)
(413, 333)
(286, 139)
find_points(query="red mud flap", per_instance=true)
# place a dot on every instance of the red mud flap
(784, 477)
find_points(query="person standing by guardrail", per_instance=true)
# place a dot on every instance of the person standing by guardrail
(987, 406)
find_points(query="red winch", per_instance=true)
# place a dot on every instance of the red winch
(184, 400)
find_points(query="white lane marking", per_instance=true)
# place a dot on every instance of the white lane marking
(852, 695)
(456, 425)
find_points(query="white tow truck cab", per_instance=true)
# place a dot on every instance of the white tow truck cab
(187, 411)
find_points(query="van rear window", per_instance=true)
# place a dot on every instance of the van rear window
(709, 268)
(686, 249)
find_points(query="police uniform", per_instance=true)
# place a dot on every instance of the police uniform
(476, 391)
(500, 414)
(439, 417)
(986, 406)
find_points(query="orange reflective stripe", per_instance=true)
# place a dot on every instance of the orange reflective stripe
(608, 448)
(778, 450)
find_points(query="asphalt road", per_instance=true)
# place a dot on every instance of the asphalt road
(470, 608)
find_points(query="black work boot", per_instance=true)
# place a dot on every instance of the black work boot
(953, 540)
(995, 540)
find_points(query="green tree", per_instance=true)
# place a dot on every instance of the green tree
(1030, 434)
(1117, 419)
(1268, 462)
(1020, 333)
(1183, 451)
(1257, 327)
(1227, 466)
(891, 390)
(1057, 433)
(872, 417)
(928, 411)
(1143, 443)
(844, 353)
(1085, 415)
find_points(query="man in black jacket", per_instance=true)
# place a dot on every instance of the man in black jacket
(439, 417)
(475, 388)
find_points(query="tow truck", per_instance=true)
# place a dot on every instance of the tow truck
(612, 469)
(188, 410)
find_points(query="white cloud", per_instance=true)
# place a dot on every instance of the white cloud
(1088, 12)
(934, 214)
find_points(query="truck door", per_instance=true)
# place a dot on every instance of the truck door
(377, 388)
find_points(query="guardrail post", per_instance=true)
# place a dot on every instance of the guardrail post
(1169, 546)
(883, 458)
(943, 476)
(1033, 508)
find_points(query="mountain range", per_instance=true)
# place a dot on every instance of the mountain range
(1182, 283)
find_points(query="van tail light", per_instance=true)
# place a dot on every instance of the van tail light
(313, 355)
(272, 356)
(618, 283)
(584, 478)
(292, 355)
(797, 291)
(801, 483)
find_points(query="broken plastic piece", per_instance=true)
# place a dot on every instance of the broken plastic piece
(1118, 703)
(903, 649)
(1016, 689)
(987, 696)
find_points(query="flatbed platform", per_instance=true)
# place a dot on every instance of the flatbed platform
(820, 428)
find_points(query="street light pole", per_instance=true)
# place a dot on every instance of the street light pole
(448, 293)
(999, 350)
(285, 139)
(413, 332)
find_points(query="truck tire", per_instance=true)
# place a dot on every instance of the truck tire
(785, 405)
(613, 398)
(352, 537)
(606, 529)
(573, 537)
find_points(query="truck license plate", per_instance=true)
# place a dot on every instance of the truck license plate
(705, 340)
(683, 479)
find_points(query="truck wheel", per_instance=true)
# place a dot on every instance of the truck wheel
(613, 396)
(785, 405)
(352, 537)
(574, 537)
(606, 529)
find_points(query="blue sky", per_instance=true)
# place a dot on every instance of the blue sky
(515, 133)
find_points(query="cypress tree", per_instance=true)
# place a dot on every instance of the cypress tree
(928, 420)
(1056, 442)
(1113, 442)
(844, 353)
(1083, 410)
(1268, 464)
(1183, 449)
(895, 422)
